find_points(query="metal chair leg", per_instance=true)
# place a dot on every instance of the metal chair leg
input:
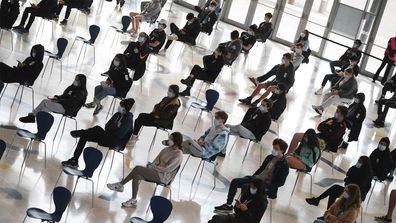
(104, 160)
(247, 150)
(371, 193)
(153, 141)
(45, 67)
(232, 147)
(15, 95)
(198, 120)
(294, 187)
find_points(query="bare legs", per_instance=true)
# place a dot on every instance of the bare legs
(136, 18)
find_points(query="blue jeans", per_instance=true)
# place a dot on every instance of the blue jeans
(102, 92)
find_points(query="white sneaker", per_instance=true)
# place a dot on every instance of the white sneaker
(116, 187)
(173, 37)
(131, 203)
(319, 91)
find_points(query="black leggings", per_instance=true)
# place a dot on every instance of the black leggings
(144, 119)
(386, 61)
(33, 13)
(333, 193)
(333, 78)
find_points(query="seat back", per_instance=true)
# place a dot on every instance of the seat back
(211, 99)
(93, 32)
(124, 141)
(44, 122)
(61, 198)
(92, 159)
(161, 209)
(2, 148)
(125, 21)
(61, 44)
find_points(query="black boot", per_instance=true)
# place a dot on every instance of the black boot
(186, 81)
(28, 119)
(247, 100)
(70, 163)
(185, 93)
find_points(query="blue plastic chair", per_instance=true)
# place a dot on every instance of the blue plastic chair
(93, 32)
(161, 209)
(61, 45)
(44, 121)
(92, 159)
(61, 198)
(2, 148)
(125, 22)
(212, 96)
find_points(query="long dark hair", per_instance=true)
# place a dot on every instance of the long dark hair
(177, 138)
(311, 142)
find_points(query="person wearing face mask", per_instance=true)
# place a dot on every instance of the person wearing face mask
(136, 55)
(343, 91)
(264, 30)
(332, 129)
(162, 115)
(24, 72)
(249, 208)
(273, 172)
(9, 11)
(213, 64)
(354, 118)
(360, 174)
(208, 18)
(212, 142)
(389, 60)
(157, 37)
(381, 161)
(207, 5)
(255, 123)
(284, 74)
(68, 103)
(303, 39)
(346, 208)
(335, 77)
(117, 83)
(297, 56)
(162, 170)
(188, 34)
(353, 52)
(231, 49)
(115, 134)
(248, 39)
(150, 13)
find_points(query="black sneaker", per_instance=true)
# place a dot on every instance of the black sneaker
(70, 163)
(256, 102)
(28, 119)
(320, 218)
(382, 219)
(224, 207)
(344, 145)
(246, 101)
(90, 105)
(122, 3)
(185, 93)
(17, 27)
(253, 80)
(378, 124)
(186, 81)
(75, 133)
(312, 201)
(63, 23)
(98, 108)
(389, 178)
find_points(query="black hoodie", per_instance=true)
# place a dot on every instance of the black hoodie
(73, 98)
(355, 117)
(381, 163)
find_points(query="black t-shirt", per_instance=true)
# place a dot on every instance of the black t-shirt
(157, 35)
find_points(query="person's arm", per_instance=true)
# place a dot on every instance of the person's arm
(171, 165)
(325, 125)
(129, 48)
(169, 113)
(279, 175)
(349, 216)
(270, 73)
(248, 114)
(263, 165)
(204, 135)
(216, 146)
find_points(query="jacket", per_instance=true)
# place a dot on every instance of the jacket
(349, 53)
(348, 89)
(72, 99)
(192, 31)
(31, 67)
(213, 66)
(232, 48)
(157, 35)
(360, 177)
(120, 80)
(167, 164)
(307, 156)
(282, 74)
(166, 111)
(381, 163)
(119, 126)
(354, 120)
(264, 31)
(207, 19)
(136, 56)
(215, 139)
(278, 106)
(391, 49)
(257, 122)
(48, 8)
(279, 175)
(9, 12)
(347, 216)
(256, 204)
(331, 134)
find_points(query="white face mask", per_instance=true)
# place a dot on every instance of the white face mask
(171, 94)
(299, 51)
(121, 110)
(253, 191)
(381, 147)
(250, 32)
(212, 8)
(274, 152)
(355, 45)
(262, 108)
(283, 61)
(161, 27)
(75, 83)
(34, 54)
(302, 35)
(216, 122)
(170, 142)
(358, 165)
(277, 91)
(337, 116)
(141, 39)
(356, 100)
(345, 195)
(116, 63)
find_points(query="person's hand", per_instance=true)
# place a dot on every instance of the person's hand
(200, 142)
(330, 122)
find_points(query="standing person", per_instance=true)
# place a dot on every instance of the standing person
(248, 39)
(264, 30)
(136, 55)
(249, 208)
(162, 170)
(381, 160)
(69, 103)
(389, 60)
(306, 154)
(389, 85)
(353, 52)
(391, 206)
(114, 134)
(383, 109)
(149, 13)
(346, 209)
(157, 37)
(71, 4)
(45, 9)
(25, 72)
(232, 48)
(9, 11)
(208, 18)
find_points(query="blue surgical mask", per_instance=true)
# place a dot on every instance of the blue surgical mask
(345, 195)
(216, 122)
(140, 39)
(274, 152)
(253, 191)
(358, 165)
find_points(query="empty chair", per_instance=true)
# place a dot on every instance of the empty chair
(2, 148)
(125, 22)
(93, 32)
(44, 122)
(211, 99)
(61, 45)
(161, 209)
(61, 198)
(92, 159)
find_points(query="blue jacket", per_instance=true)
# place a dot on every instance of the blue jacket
(216, 145)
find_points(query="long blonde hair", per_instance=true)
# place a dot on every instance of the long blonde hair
(354, 199)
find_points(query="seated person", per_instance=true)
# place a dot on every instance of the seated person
(391, 206)
(71, 4)
(272, 172)
(212, 142)
(284, 73)
(381, 161)
(343, 91)
(332, 129)
(264, 30)
(255, 123)
(187, 35)
(297, 57)
(207, 5)
(303, 39)
(346, 209)
(212, 67)
(162, 170)
(360, 174)
(208, 18)
(44, 9)
(382, 111)
(354, 118)
(306, 154)
(9, 11)
(335, 77)
(389, 85)
(69, 103)
(117, 84)
(248, 38)
(149, 14)
(231, 49)
(114, 133)
(249, 208)
(162, 115)
(350, 53)
(157, 37)
(25, 72)
(136, 55)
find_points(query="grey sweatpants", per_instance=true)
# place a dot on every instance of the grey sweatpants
(47, 105)
(140, 173)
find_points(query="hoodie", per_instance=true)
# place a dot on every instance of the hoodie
(30, 68)
(215, 139)
(73, 98)
(355, 117)
(381, 163)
